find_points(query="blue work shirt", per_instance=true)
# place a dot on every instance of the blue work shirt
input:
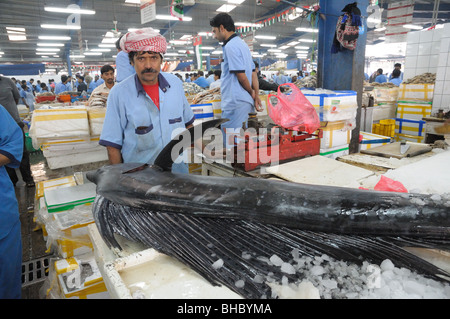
(28, 97)
(202, 82)
(396, 81)
(381, 78)
(123, 67)
(135, 125)
(91, 87)
(400, 77)
(98, 82)
(236, 59)
(11, 146)
(60, 87)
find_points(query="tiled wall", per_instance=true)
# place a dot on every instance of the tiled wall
(441, 98)
(428, 51)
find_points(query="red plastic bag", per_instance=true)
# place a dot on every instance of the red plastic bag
(293, 111)
(389, 185)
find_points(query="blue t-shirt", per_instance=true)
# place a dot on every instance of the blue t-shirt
(381, 78)
(11, 146)
(202, 82)
(396, 81)
(236, 59)
(135, 125)
(123, 67)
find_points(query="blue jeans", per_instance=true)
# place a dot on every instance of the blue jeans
(236, 117)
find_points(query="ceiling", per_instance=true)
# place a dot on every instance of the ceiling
(30, 14)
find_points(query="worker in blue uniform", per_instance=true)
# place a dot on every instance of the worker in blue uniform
(380, 78)
(239, 81)
(11, 148)
(144, 111)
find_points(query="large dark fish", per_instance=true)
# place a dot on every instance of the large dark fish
(184, 216)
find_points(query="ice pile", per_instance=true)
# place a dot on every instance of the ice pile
(327, 278)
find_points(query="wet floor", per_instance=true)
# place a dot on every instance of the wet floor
(35, 254)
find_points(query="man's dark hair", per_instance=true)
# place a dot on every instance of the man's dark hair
(397, 65)
(200, 73)
(64, 78)
(396, 73)
(106, 68)
(43, 85)
(223, 19)
(81, 78)
(218, 73)
(380, 71)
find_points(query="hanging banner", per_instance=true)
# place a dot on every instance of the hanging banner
(198, 51)
(148, 11)
(177, 9)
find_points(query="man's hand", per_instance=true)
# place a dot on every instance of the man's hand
(258, 104)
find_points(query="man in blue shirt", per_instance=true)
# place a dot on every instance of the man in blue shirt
(201, 81)
(396, 77)
(144, 111)
(11, 147)
(98, 80)
(61, 86)
(123, 67)
(380, 78)
(239, 81)
(397, 66)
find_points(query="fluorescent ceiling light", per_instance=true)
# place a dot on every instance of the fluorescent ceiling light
(284, 47)
(307, 30)
(205, 54)
(92, 53)
(186, 36)
(133, 1)
(48, 49)
(247, 24)
(53, 37)
(179, 42)
(208, 48)
(15, 29)
(268, 45)
(181, 51)
(172, 54)
(412, 26)
(293, 43)
(169, 17)
(226, 8)
(114, 56)
(268, 37)
(107, 45)
(217, 52)
(258, 55)
(307, 40)
(235, 1)
(76, 56)
(17, 37)
(50, 44)
(60, 26)
(301, 52)
(45, 53)
(1, 52)
(101, 50)
(56, 56)
(69, 10)
(300, 47)
(273, 50)
(205, 33)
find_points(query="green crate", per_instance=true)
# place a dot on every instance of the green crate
(29, 144)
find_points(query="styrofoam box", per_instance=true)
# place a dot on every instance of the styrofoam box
(422, 92)
(414, 110)
(334, 134)
(333, 105)
(152, 275)
(370, 140)
(202, 112)
(410, 127)
(384, 111)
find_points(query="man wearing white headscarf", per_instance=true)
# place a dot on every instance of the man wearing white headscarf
(143, 110)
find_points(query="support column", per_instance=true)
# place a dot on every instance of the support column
(345, 69)
(208, 63)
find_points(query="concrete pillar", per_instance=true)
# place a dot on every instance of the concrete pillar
(345, 69)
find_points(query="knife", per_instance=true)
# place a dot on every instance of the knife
(404, 147)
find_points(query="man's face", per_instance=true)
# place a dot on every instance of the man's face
(218, 33)
(108, 77)
(147, 66)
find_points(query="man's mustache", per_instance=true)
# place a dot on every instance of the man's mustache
(151, 70)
